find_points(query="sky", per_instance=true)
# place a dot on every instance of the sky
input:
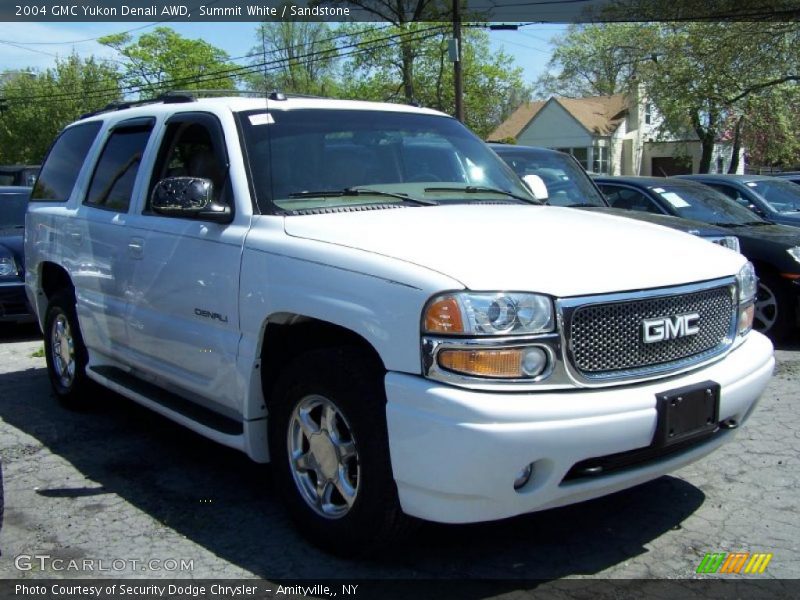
(20, 46)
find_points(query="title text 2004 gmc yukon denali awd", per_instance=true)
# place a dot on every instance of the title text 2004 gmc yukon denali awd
(367, 297)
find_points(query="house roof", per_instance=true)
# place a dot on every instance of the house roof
(600, 115)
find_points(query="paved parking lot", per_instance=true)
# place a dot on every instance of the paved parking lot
(121, 484)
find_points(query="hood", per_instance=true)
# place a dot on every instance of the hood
(783, 235)
(558, 251)
(685, 225)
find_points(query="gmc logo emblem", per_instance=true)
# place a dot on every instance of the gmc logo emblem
(668, 328)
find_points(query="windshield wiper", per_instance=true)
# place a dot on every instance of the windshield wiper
(757, 223)
(729, 225)
(359, 191)
(479, 189)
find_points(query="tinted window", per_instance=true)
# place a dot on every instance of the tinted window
(783, 196)
(12, 209)
(567, 183)
(701, 203)
(628, 199)
(294, 153)
(63, 163)
(188, 151)
(115, 173)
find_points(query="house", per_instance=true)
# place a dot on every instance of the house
(613, 135)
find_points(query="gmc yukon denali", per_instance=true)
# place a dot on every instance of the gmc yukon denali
(367, 297)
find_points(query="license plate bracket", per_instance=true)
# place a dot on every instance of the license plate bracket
(686, 413)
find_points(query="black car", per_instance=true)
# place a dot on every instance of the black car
(569, 185)
(14, 305)
(772, 198)
(18, 175)
(773, 249)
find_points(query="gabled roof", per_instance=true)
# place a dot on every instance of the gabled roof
(599, 115)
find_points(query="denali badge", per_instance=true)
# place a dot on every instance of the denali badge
(667, 328)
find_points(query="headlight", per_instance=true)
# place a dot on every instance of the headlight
(496, 313)
(794, 253)
(748, 282)
(7, 266)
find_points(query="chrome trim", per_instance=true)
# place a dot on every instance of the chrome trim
(565, 309)
(553, 377)
(18, 283)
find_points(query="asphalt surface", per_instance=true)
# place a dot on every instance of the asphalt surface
(119, 483)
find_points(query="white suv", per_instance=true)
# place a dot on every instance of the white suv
(366, 296)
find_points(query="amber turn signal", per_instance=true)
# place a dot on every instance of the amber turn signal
(444, 316)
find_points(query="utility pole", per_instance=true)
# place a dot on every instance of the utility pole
(455, 56)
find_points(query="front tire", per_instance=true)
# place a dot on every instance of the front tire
(65, 352)
(330, 454)
(774, 310)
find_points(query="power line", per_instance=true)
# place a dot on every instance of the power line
(356, 47)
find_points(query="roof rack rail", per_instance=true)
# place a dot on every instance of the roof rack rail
(166, 98)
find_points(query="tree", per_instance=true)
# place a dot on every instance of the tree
(596, 60)
(306, 53)
(491, 81)
(163, 60)
(37, 105)
(404, 16)
(699, 75)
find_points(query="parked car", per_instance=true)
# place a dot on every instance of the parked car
(18, 175)
(290, 277)
(793, 176)
(568, 184)
(771, 198)
(14, 305)
(773, 249)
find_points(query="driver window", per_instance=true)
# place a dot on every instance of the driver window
(188, 151)
(630, 200)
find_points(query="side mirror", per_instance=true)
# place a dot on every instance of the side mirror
(536, 185)
(188, 197)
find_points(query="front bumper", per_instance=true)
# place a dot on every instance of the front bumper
(455, 452)
(14, 305)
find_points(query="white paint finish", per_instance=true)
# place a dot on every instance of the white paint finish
(527, 248)
(496, 435)
(554, 127)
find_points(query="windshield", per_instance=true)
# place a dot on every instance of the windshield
(782, 196)
(12, 209)
(701, 203)
(567, 183)
(300, 159)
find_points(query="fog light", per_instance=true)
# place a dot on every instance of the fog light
(746, 318)
(534, 360)
(523, 476)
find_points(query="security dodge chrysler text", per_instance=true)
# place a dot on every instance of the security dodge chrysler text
(368, 297)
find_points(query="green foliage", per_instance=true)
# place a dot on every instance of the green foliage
(163, 60)
(39, 105)
(700, 75)
(493, 86)
(304, 57)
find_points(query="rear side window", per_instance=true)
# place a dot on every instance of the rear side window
(63, 163)
(115, 173)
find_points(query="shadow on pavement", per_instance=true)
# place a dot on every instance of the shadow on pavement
(219, 499)
(13, 332)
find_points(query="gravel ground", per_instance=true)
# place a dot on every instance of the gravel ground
(121, 483)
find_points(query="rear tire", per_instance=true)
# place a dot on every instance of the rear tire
(330, 453)
(65, 352)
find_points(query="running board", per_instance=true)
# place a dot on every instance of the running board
(206, 422)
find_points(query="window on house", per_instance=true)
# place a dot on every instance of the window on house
(648, 113)
(720, 164)
(600, 162)
(580, 154)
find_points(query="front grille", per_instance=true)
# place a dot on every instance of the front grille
(606, 339)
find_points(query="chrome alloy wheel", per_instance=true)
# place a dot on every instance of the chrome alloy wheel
(766, 309)
(323, 456)
(63, 351)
